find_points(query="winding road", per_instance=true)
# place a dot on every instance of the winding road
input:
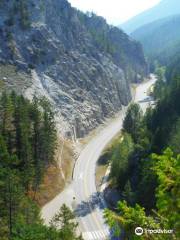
(82, 195)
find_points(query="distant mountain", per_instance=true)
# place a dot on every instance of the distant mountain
(164, 9)
(160, 39)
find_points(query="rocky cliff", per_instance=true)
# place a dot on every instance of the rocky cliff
(81, 64)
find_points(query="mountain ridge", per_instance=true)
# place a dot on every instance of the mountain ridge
(68, 61)
(160, 39)
(163, 9)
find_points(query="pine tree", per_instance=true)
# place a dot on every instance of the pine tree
(6, 121)
(65, 219)
(166, 216)
(11, 191)
(48, 132)
(120, 161)
(23, 140)
(128, 194)
(36, 143)
(133, 120)
(27, 145)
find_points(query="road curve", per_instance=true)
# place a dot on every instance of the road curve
(82, 195)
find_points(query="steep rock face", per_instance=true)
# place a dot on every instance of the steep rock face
(125, 53)
(84, 76)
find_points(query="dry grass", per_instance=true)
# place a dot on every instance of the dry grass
(53, 182)
(150, 90)
(13, 79)
(100, 173)
(67, 159)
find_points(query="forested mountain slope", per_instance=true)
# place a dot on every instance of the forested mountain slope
(81, 64)
(160, 39)
(27, 146)
(146, 164)
(164, 9)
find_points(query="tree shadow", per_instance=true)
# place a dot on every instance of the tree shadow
(147, 99)
(87, 207)
(103, 159)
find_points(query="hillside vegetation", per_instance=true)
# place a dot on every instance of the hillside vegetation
(79, 62)
(146, 165)
(27, 146)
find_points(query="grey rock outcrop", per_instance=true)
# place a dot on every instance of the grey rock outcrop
(81, 64)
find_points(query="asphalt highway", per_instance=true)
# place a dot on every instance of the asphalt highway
(82, 195)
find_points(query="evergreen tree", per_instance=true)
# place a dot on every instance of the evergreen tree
(174, 138)
(25, 130)
(128, 218)
(36, 143)
(65, 219)
(133, 120)
(128, 194)
(48, 133)
(6, 120)
(23, 140)
(167, 168)
(120, 161)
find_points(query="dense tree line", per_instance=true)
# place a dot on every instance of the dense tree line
(150, 188)
(166, 214)
(28, 132)
(27, 146)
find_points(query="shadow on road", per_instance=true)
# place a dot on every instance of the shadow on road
(87, 207)
(147, 99)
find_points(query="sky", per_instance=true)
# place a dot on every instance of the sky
(114, 11)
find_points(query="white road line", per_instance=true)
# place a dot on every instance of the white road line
(96, 235)
(90, 237)
(81, 176)
(106, 232)
(100, 235)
